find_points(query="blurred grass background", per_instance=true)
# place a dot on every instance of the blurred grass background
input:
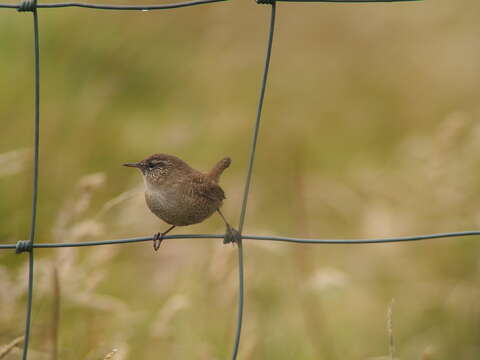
(369, 129)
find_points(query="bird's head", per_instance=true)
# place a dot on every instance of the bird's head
(159, 167)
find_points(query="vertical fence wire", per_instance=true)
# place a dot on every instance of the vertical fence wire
(241, 282)
(35, 186)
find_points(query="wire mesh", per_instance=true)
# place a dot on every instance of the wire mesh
(31, 244)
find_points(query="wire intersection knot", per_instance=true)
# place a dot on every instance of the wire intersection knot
(27, 5)
(23, 246)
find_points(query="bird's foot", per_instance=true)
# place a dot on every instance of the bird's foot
(157, 240)
(158, 237)
(232, 236)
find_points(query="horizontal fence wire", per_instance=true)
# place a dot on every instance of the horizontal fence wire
(31, 244)
(337, 1)
(181, 4)
(116, 7)
(24, 245)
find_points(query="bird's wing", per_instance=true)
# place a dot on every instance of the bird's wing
(209, 189)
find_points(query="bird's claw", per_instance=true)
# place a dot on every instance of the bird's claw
(157, 241)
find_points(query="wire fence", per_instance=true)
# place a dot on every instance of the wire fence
(30, 245)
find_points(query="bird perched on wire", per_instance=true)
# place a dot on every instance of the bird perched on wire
(181, 195)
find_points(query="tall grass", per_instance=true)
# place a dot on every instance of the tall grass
(370, 129)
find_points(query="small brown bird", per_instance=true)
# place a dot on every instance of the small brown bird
(180, 195)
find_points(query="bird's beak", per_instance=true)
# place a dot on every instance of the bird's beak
(135, 165)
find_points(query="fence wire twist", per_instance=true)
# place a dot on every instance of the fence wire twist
(30, 245)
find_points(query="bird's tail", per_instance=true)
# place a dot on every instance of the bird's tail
(218, 169)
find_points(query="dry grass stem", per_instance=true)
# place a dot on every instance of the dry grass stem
(391, 345)
(111, 354)
(162, 326)
(13, 162)
(6, 349)
(428, 353)
(76, 206)
(117, 200)
(55, 314)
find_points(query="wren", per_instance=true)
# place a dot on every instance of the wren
(181, 195)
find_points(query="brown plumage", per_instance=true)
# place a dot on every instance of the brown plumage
(181, 195)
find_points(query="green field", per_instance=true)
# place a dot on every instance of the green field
(369, 130)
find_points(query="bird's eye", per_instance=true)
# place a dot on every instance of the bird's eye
(159, 163)
(155, 164)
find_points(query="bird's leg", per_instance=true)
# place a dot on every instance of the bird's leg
(158, 238)
(231, 235)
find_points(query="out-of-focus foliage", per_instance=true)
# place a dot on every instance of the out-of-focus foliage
(370, 128)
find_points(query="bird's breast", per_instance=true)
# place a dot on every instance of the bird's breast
(178, 208)
(160, 201)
